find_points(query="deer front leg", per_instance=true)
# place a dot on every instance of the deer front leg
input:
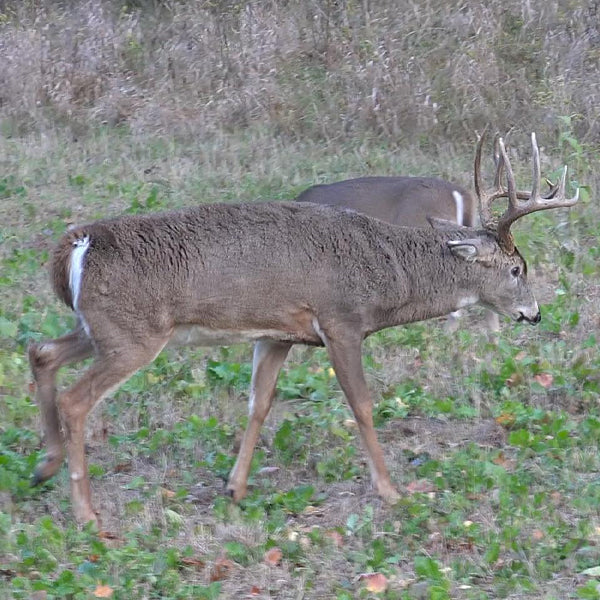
(268, 359)
(45, 359)
(345, 355)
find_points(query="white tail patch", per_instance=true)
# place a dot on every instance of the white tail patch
(460, 207)
(317, 327)
(80, 247)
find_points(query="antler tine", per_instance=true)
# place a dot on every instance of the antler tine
(552, 188)
(478, 182)
(532, 203)
(486, 197)
(513, 204)
(537, 173)
(499, 164)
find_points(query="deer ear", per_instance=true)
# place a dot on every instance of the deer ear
(472, 250)
(438, 223)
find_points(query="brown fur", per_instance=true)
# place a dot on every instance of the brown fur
(408, 201)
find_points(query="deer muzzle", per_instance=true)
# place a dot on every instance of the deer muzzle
(531, 320)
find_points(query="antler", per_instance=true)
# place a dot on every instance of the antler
(534, 202)
(521, 194)
(532, 198)
(486, 197)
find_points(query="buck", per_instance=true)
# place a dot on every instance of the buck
(275, 274)
(413, 201)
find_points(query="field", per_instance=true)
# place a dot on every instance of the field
(492, 440)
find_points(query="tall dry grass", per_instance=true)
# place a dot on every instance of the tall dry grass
(406, 72)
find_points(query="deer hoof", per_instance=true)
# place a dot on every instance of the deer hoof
(389, 495)
(45, 470)
(36, 480)
(85, 516)
(236, 494)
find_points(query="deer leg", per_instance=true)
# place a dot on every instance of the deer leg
(345, 355)
(452, 320)
(107, 373)
(268, 359)
(45, 359)
(492, 321)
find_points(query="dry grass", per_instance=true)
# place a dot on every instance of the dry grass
(413, 73)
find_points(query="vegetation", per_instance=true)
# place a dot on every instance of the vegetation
(109, 107)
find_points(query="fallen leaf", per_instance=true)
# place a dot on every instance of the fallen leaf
(506, 419)
(514, 380)
(544, 379)
(255, 591)
(336, 537)
(273, 556)
(221, 569)
(537, 534)
(103, 591)
(152, 378)
(107, 535)
(374, 582)
(268, 470)
(422, 486)
(166, 493)
(189, 561)
(502, 461)
(123, 467)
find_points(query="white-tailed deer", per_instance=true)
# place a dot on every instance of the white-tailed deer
(275, 274)
(413, 201)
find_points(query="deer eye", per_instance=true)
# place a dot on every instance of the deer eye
(515, 271)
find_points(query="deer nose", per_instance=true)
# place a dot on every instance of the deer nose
(533, 321)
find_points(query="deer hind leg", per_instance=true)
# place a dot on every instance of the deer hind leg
(345, 355)
(45, 359)
(110, 369)
(268, 359)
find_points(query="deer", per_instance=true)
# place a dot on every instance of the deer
(413, 201)
(274, 274)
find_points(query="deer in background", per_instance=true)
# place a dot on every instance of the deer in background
(413, 201)
(275, 274)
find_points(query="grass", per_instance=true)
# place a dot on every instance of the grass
(494, 445)
(493, 442)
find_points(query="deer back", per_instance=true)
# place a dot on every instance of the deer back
(400, 200)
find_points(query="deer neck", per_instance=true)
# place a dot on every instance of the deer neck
(430, 281)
